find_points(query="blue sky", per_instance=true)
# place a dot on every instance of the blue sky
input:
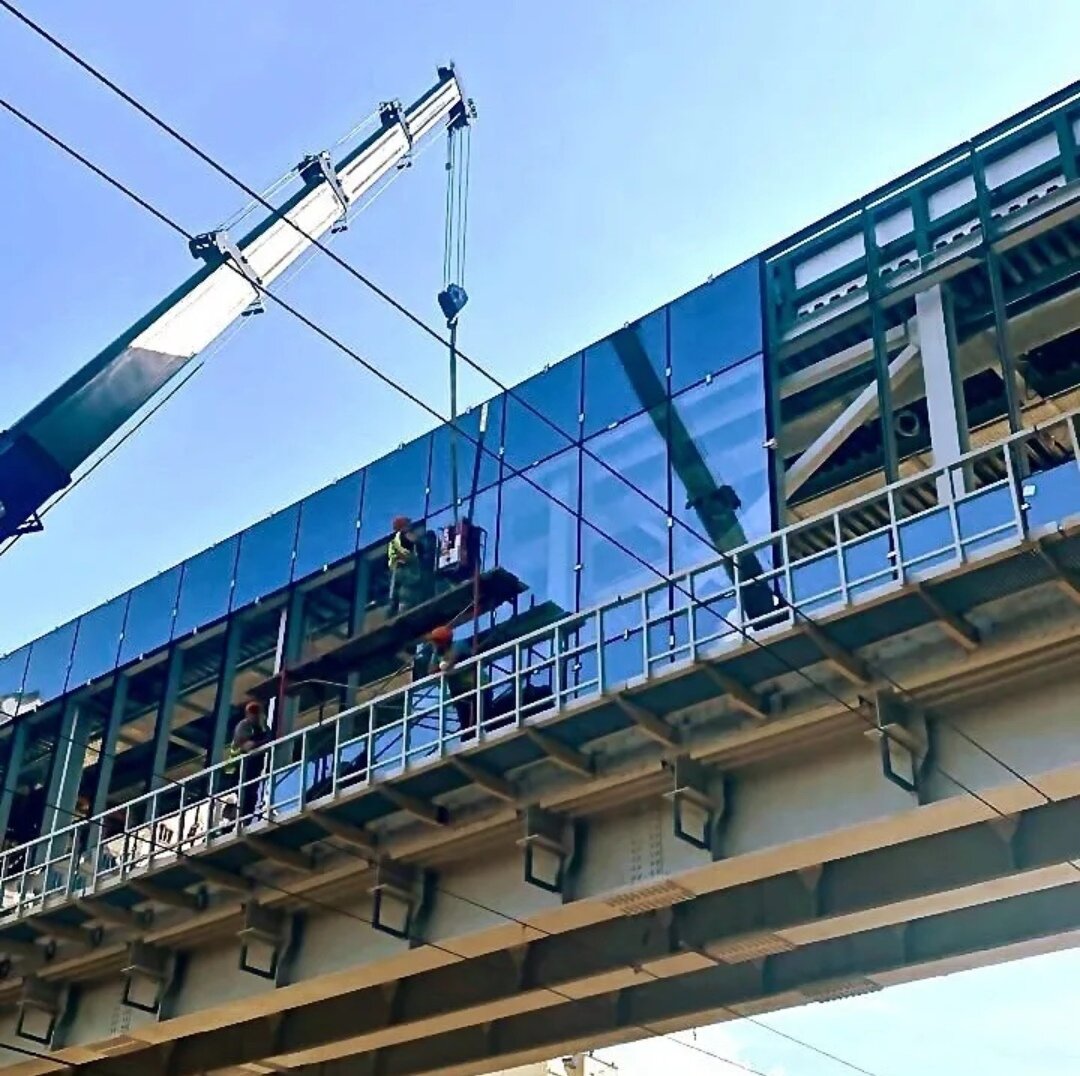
(625, 151)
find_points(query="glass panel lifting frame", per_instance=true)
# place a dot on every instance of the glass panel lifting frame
(292, 773)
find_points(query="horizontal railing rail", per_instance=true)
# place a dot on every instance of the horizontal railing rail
(985, 502)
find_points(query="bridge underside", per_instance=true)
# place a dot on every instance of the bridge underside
(731, 864)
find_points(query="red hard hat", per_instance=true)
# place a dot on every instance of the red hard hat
(401, 523)
(251, 708)
(441, 635)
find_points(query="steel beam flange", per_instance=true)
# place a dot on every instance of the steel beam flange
(548, 845)
(264, 938)
(696, 806)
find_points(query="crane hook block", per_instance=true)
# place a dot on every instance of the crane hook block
(452, 300)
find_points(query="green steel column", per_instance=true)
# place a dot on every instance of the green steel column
(219, 734)
(163, 725)
(13, 759)
(109, 739)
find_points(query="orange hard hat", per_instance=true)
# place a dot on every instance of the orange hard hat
(441, 635)
(401, 523)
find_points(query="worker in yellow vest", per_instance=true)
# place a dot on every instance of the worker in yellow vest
(410, 577)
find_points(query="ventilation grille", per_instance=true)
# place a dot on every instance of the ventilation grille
(648, 898)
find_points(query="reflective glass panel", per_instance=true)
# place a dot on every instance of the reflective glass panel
(626, 373)
(12, 674)
(716, 325)
(97, 645)
(396, 485)
(150, 615)
(719, 465)
(206, 586)
(636, 451)
(264, 563)
(537, 537)
(1053, 494)
(329, 521)
(555, 394)
(464, 448)
(46, 673)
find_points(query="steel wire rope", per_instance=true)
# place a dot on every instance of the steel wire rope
(583, 519)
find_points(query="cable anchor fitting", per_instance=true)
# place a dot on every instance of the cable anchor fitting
(216, 248)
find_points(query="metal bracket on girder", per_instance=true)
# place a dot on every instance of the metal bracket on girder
(318, 167)
(264, 939)
(903, 734)
(696, 808)
(148, 975)
(216, 248)
(549, 846)
(400, 894)
(41, 1007)
(390, 113)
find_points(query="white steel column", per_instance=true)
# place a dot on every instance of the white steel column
(944, 394)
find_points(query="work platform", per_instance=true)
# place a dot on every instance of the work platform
(669, 694)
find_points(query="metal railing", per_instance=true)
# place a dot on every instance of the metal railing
(986, 502)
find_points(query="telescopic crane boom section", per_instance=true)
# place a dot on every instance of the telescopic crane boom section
(39, 454)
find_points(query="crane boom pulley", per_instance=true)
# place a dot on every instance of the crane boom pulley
(40, 453)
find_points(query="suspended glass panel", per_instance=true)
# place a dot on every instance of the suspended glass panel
(537, 537)
(719, 466)
(12, 675)
(266, 554)
(716, 325)
(329, 521)
(206, 586)
(46, 673)
(626, 373)
(635, 454)
(150, 615)
(396, 485)
(483, 462)
(556, 395)
(97, 645)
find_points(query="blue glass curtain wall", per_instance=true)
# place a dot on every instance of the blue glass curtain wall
(674, 403)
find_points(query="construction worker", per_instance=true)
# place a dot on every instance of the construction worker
(410, 575)
(461, 681)
(250, 734)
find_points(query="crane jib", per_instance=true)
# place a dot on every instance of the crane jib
(40, 453)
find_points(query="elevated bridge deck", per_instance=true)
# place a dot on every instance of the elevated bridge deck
(668, 810)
